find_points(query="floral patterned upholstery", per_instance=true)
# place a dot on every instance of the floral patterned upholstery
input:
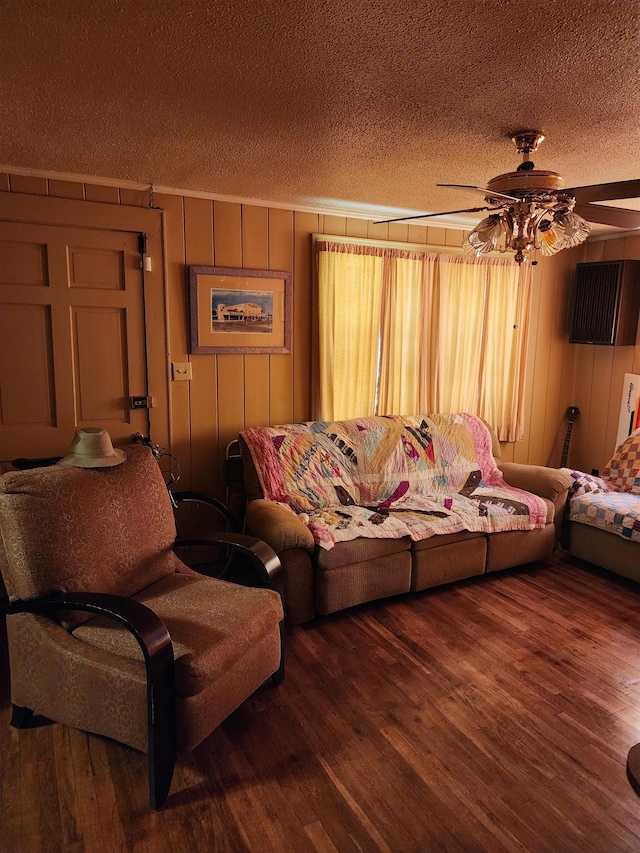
(210, 623)
(111, 530)
(76, 529)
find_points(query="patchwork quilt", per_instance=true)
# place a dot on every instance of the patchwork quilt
(617, 512)
(390, 477)
(622, 473)
(611, 502)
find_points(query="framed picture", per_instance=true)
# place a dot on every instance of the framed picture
(239, 310)
(629, 419)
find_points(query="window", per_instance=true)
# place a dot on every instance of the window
(411, 332)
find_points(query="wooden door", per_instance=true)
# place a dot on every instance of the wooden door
(72, 336)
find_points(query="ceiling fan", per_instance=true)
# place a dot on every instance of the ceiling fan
(532, 210)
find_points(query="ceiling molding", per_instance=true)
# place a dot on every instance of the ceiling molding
(456, 223)
(321, 209)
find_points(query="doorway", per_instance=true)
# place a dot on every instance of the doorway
(73, 342)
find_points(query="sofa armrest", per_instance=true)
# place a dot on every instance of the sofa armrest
(550, 483)
(278, 527)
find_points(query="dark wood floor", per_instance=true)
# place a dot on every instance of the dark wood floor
(490, 715)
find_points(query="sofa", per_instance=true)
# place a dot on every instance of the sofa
(602, 524)
(368, 508)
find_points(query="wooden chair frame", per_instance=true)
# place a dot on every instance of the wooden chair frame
(157, 649)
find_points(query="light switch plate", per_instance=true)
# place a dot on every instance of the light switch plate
(181, 371)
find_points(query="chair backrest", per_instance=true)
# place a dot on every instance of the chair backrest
(67, 529)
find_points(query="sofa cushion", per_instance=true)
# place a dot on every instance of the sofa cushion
(236, 618)
(615, 512)
(445, 539)
(404, 456)
(306, 466)
(372, 461)
(359, 550)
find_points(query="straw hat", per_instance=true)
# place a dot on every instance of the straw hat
(92, 448)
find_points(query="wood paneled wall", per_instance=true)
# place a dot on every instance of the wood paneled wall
(231, 392)
(595, 374)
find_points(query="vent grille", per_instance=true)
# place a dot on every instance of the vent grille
(595, 314)
(607, 298)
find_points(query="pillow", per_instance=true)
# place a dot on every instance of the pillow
(584, 483)
(622, 473)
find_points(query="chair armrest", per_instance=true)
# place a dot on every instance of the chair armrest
(155, 643)
(278, 527)
(260, 555)
(148, 629)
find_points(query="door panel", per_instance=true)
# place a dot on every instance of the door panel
(72, 348)
(96, 269)
(23, 263)
(99, 357)
(26, 362)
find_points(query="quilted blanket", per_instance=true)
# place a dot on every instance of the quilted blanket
(611, 502)
(390, 477)
(622, 472)
(616, 512)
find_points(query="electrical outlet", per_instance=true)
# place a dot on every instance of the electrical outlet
(181, 371)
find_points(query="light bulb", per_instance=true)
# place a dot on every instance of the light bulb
(566, 230)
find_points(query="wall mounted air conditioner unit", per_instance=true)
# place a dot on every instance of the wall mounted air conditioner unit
(607, 298)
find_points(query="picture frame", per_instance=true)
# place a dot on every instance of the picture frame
(237, 310)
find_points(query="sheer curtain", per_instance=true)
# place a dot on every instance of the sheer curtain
(410, 332)
(407, 342)
(482, 338)
(349, 305)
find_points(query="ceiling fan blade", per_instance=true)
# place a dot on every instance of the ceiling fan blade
(481, 189)
(606, 192)
(427, 215)
(615, 216)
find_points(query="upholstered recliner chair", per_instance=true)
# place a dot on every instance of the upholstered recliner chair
(99, 606)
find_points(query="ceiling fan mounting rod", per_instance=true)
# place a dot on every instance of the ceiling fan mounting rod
(527, 141)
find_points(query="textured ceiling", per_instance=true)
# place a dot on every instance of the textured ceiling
(334, 104)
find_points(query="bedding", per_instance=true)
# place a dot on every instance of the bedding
(610, 502)
(390, 477)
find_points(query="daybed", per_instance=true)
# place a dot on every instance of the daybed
(603, 513)
(372, 507)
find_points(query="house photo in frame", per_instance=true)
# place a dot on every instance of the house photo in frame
(239, 310)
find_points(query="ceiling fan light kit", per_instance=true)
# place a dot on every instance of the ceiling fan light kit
(531, 211)
(542, 221)
(541, 218)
